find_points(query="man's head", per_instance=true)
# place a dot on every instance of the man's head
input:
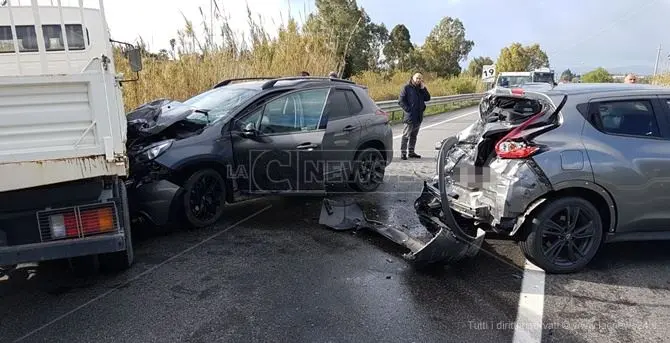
(417, 79)
(630, 78)
(332, 74)
(304, 73)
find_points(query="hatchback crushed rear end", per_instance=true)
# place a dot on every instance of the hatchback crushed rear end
(494, 173)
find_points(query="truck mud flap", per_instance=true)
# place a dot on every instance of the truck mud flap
(443, 248)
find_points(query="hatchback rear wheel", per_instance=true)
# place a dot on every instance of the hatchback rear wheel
(564, 235)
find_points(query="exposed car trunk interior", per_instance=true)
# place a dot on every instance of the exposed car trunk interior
(499, 115)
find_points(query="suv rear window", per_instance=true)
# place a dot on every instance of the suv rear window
(629, 117)
(355, 106)
(342, 103)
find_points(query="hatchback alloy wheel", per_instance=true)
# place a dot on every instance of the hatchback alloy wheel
(565, 235)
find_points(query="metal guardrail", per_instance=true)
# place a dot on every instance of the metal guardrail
(392, 105)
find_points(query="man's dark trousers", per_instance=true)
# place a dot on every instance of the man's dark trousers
(409, 133)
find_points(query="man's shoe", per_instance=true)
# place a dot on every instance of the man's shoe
(413, 155)
(403, 156)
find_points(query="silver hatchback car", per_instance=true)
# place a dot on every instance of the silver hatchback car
(561, 169)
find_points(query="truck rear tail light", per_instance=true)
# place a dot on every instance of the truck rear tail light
(63, 225)
(78, 221)
(97, 220)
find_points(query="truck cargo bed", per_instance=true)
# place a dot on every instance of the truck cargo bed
(58, 128)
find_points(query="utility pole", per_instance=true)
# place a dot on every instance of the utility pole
(658, 56)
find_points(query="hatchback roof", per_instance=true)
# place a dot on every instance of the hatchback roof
(585, 88)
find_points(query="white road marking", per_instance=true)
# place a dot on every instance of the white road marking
(441, 122)
(528, 325)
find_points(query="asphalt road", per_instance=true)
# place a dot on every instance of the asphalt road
(270, 273)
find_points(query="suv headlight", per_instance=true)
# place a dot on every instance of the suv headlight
(154, 150)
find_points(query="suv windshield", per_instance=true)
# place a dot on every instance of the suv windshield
(220, 102)
(510, 81)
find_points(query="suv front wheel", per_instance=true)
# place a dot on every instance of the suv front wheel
(564, 235)
(204, 197)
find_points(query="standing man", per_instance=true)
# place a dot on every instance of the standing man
(413, 97)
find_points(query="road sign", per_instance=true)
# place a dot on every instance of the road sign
(489, 72)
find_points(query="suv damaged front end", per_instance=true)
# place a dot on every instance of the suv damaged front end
(486, 179)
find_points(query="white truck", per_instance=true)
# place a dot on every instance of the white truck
(62, 138)
(518, 78)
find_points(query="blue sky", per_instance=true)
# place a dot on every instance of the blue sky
(576, 34)
(620, 35)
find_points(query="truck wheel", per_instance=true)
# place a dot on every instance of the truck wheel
(369, 167)
(564, 235)
(120, 260)
(204, 197)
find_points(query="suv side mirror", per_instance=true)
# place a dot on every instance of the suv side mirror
(249, 130)
(135, 59)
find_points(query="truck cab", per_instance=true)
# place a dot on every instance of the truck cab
(544, 75)
(62, 137)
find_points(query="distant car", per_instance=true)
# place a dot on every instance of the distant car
(561, 169)
(513, 79)
(251, 137)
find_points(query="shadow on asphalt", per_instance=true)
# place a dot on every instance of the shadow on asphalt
(629, 264)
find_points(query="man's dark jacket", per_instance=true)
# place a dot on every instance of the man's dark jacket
(413, 101)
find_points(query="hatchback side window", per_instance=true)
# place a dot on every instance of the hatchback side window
(297, 112)
(630, 117)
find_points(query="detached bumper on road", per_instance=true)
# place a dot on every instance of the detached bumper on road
(455, 244)
(449, 242)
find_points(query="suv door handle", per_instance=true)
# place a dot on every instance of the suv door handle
(307, 146)
(349, 128)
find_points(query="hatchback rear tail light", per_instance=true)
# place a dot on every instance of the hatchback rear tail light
(514, 147)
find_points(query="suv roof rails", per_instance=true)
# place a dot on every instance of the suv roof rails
(271, 83)
(228, 81)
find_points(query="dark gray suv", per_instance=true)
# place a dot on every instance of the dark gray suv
(561, 169)
(250, 137)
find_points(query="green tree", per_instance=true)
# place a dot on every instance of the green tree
(567, 75)
(598, 75)
(446, 47)
(356, 40)
(379, 37)
(476, 65)
(517, 57)
(398, 48)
